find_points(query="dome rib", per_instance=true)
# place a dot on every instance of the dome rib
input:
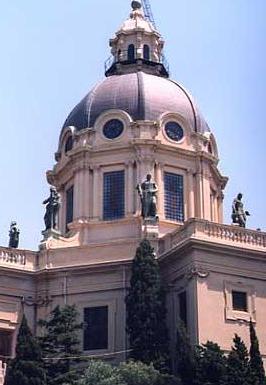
(143, 96)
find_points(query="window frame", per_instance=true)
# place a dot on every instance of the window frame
(110, 171)
(178, 174)
(239, 315)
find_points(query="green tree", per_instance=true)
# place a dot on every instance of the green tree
(100, 373)
(211, 365)
(255, 363)
(185, 356)
(27, 367)
(238, 364)
(146, 311)
(60, 345)
(131, 373)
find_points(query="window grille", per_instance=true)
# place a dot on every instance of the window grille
(113, 195)
(174, 196)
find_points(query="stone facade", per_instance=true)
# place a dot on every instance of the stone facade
(207, 266)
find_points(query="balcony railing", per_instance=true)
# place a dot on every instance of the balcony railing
(214, 232)
(21, 259)
(125, 58)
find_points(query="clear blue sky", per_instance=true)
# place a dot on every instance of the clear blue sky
(53, 51)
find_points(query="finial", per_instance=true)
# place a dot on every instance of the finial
(135, 5)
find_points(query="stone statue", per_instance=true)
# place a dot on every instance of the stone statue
(147, 192)
(13, 235)
(239, 215)
(52, 207)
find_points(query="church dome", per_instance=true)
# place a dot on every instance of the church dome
(142, 95)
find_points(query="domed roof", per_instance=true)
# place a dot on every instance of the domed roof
(143, 96)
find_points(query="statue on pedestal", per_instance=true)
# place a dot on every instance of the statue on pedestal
(239, 215)
(147, 191)
(13, 235)
(52, 207)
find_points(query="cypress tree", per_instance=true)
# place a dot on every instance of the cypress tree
(60, 345)
(238, 364)
(255, 364)
(185, 357)
(27, 367)
(146, 311)
(211, 365)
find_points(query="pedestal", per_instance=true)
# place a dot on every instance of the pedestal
(150, 231)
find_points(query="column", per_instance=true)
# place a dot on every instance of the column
(86, 193)
(159, 178)
(130, 188)
(190, 194)
(76, 213)
(96, 193)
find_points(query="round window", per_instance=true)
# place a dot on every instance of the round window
(113, 128)
(174, 131)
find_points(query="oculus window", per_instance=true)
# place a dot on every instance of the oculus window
(239, 301)
(113, 195)
(174, 131)
(174, 196)
(95, 328)
(113, 129)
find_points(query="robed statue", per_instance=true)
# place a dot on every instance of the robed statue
(52, 206)
(13, 235)
(239, 215)
(147, 191)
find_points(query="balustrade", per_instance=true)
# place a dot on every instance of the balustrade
(214, 232)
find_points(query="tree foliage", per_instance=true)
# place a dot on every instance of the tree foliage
(27, 367)
(238, 364)
(146, 311)
(185, 356)
(60, 345)
(210, 365)
(131, 373)
(255, 364)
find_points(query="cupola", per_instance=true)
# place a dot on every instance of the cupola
(136, 44)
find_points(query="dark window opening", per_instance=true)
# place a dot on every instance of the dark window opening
(182, 298)
(210, 148)
(69, 206)
(174, 197)
(69, 144)
(5, 344)
(239, 300)
(146, 52)
(131, 52)
(113, 195)
(95, 328)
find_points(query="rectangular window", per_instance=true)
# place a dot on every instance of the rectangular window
(113, 195)
(5, 343)
(174, 196)
(69, 205)
(182, 298)
(239, 301)
(95, 328)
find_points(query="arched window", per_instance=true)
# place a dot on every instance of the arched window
(69, 144)
(146, 52)
(131, 52)
(119, 55)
